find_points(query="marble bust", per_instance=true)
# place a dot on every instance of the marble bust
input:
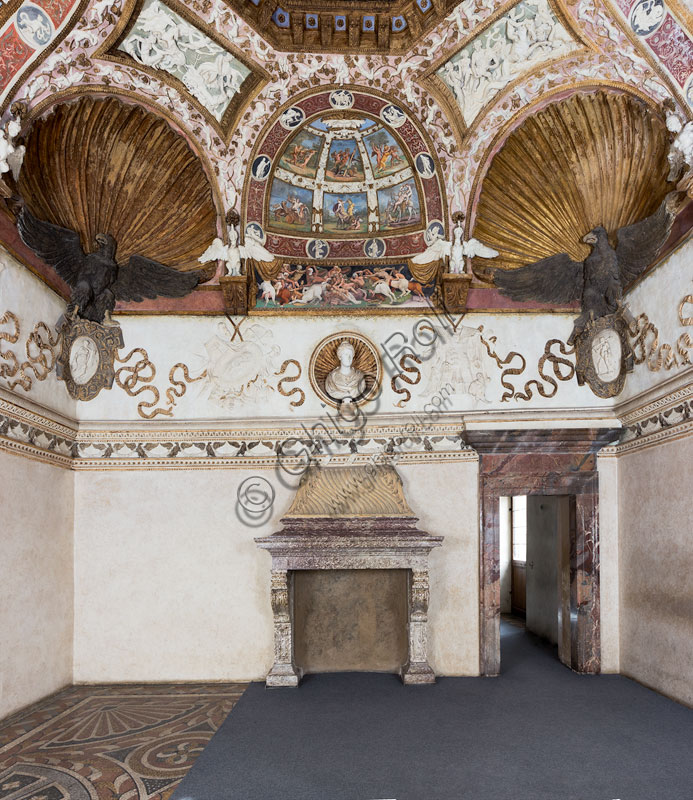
(345, 382)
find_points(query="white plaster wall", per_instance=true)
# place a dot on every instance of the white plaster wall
(31, 301)
(445, 498)
(36, 580)
(658, 295)
(607, 466)
(461, 360)
(656, 567)
(169, 584)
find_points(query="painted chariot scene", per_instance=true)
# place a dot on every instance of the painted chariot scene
(290, 207)
(300, 286)
(399, 205)
(345, 213)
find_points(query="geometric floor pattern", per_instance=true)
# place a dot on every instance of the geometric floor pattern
(108, 742)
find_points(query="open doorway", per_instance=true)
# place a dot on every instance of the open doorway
(534, 539)
(548, 463)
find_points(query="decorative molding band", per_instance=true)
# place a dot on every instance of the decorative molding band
(27, 433)
(677, 395)
(408, 440)
(673, 423)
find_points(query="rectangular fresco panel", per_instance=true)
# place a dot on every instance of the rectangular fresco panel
(290, 207)
(345, 213)
(399, 205)
(385, 154)
(302, 287)
(302, 154)
(344, 161)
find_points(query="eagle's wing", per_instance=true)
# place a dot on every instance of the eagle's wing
(639, 243)
(473, 248)
(556, 279)
(59, 247)
(141, 277)
(215, 251)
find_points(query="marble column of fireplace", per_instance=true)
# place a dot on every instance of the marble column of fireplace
(349, 518)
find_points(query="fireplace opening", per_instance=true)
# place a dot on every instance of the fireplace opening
(350, 620)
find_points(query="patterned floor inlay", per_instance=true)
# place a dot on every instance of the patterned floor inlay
(111, 742)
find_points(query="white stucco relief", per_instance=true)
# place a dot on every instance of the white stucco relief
(162, 40)
(461, 367)
(394, 75)
(240, 371)
(524, 37)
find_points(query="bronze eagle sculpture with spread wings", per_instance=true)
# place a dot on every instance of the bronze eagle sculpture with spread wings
(96, 279)
(598, 281)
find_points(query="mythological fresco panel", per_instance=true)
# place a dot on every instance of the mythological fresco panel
(344, 175)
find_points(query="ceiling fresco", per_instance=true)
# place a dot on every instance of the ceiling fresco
(352, 181)
(344, 175)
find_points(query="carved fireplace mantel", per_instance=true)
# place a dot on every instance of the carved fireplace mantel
(349, 518)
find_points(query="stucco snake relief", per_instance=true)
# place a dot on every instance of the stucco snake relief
(137, 374)
(648, 350)
(41, 346)
(77, 65)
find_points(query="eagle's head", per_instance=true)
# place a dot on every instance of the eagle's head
(595, 235)
(106, 244)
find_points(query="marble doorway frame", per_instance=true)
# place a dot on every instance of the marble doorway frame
(543, 462)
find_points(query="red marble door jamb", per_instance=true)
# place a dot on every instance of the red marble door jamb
(542, 462)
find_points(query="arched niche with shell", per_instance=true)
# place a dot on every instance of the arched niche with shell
(597, 158)
(104, 166)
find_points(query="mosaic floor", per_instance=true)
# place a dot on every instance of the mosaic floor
(124, 742)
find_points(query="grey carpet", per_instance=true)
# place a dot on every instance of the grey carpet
(538, 732)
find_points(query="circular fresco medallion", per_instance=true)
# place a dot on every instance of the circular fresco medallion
(435, 231)
(261, 167)
(646, 16)
(34, 26)
(374, 248)
(393, 116)
(317, 248)
(425, 166)
(255, 231)
(292, 118)
(341, 99)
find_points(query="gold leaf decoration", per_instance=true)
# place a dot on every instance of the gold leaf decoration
(369, 490)
(588, 160)
(101, 166)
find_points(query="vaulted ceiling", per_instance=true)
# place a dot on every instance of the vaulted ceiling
(220, 74)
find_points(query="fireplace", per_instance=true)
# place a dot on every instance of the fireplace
(350, 518)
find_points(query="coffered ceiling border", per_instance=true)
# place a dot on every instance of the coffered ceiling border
(351, 35)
